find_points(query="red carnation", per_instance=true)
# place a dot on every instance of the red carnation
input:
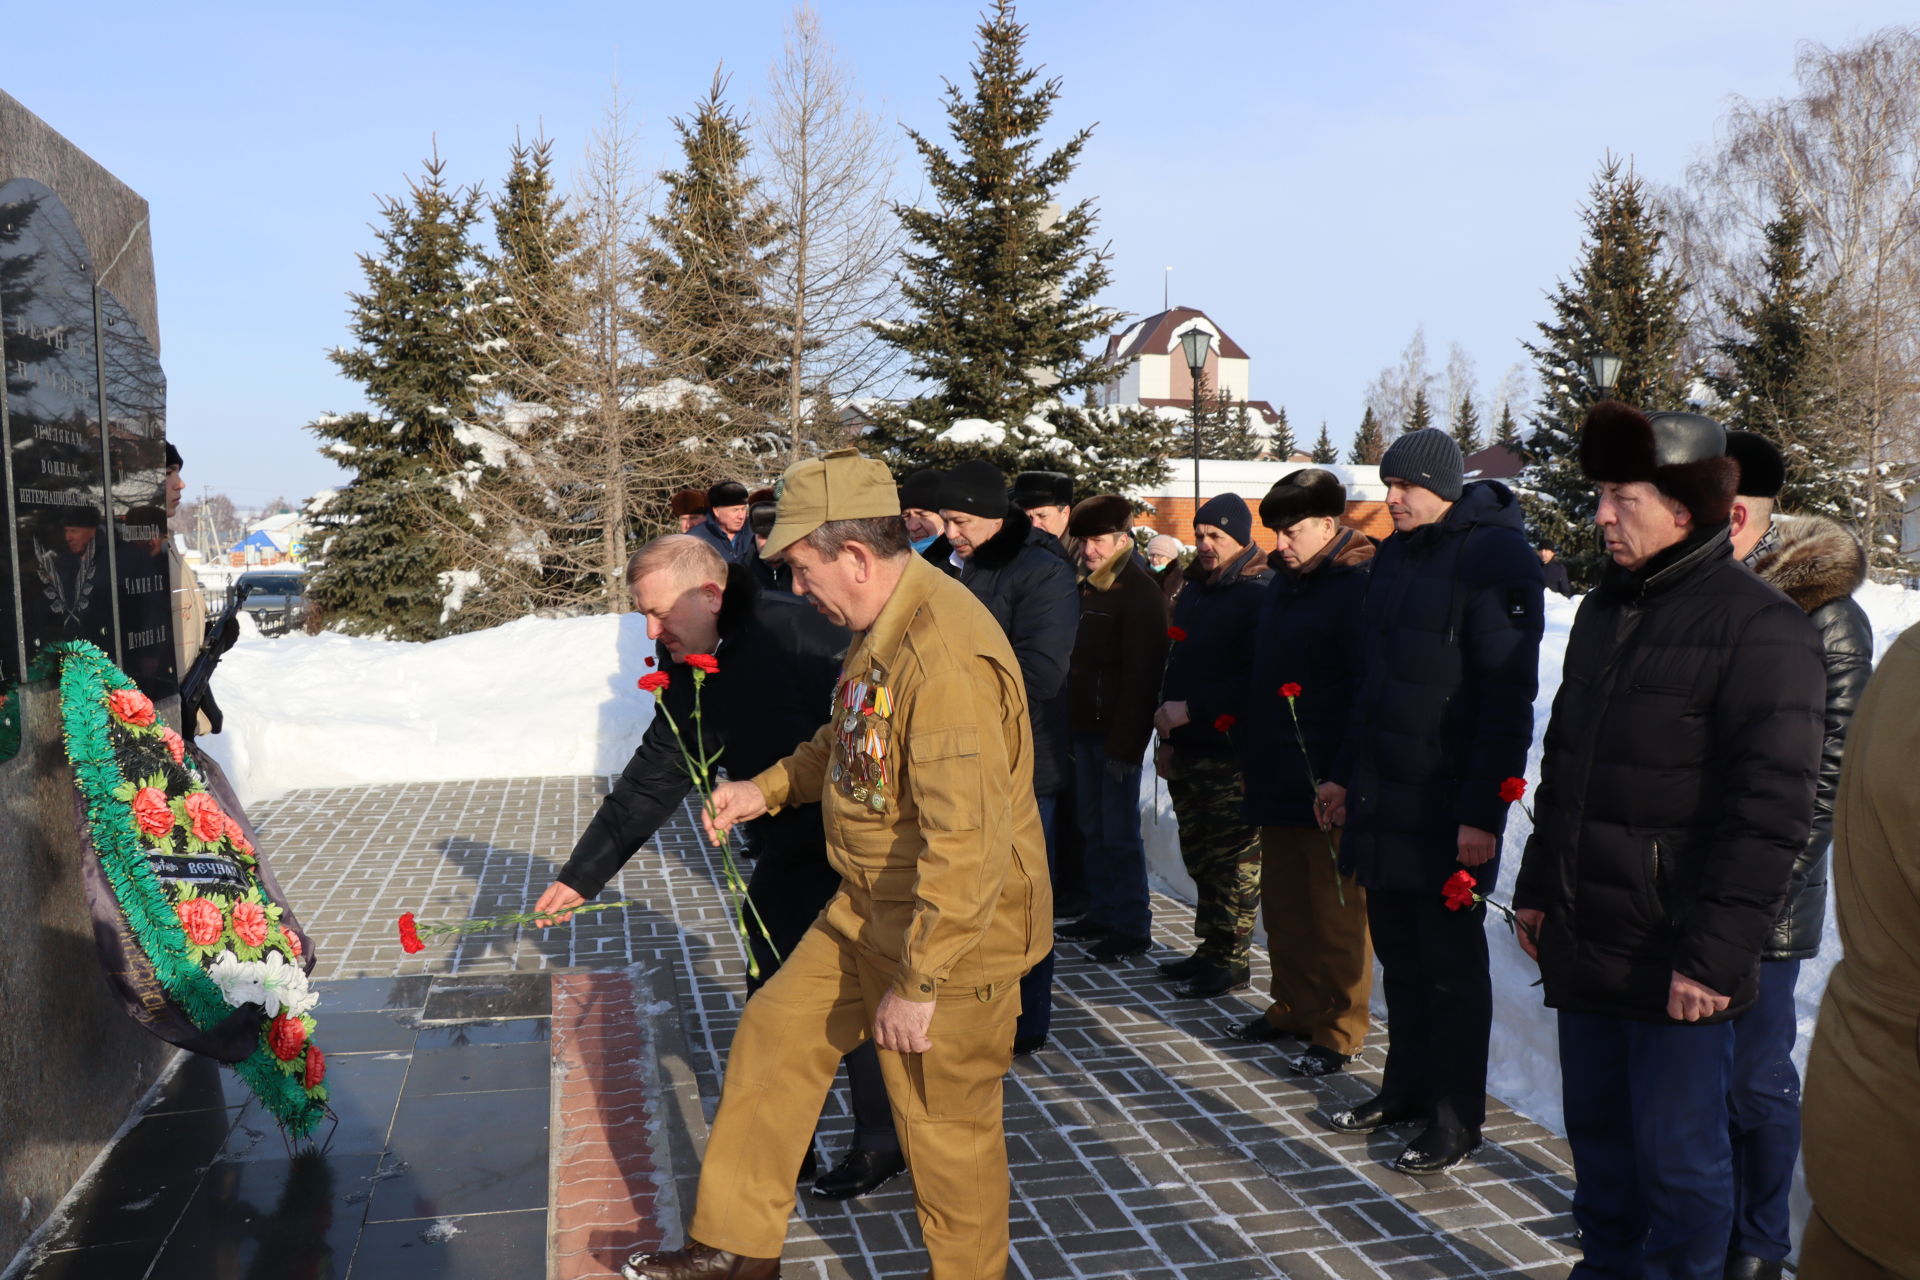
(649, 661)
(237, 837)
(151, 812)
(316, 1071)
(705, 662)
(1223, 723)
(1176, 634)
(250, 923)
(292, 940)
(209, 822)
(175, 746)
(286, 1037)
(1458, 892)
(1289, 690)
(1512, 789)
(132, 706)
(654, 682)
(202, 921)
(410, 935)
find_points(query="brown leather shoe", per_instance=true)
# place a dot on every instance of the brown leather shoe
(699, 1262)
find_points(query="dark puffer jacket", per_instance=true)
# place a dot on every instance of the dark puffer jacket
(1820, 565)
(1309, 635)
(1677, 784)
(779, 660)
(1450, 650)
(1119, 654)
(1219, 613)
(1022, 577)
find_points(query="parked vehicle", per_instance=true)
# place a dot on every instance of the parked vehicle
(276, 599)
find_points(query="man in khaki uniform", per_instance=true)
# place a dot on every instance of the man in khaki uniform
(924, 777)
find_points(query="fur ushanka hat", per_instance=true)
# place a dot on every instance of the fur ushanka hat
(1106, 513)
(1763, 472)
(1308, 492)
(1683, 455)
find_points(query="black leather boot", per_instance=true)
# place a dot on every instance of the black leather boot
(1746, 1266)
(860, 1172)
(1213, 980)
(1374, 1114)
(1438, 1149)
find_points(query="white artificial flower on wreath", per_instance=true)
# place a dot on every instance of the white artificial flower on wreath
(240, 981)
(286, 987)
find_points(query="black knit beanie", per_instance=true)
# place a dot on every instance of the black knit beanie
(1429, 458)
(975, 487)
(1229, 513)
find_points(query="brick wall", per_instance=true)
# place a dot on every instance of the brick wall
(1174, 515)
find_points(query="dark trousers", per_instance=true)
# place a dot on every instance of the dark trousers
(1036, 988)
(791, 884)
(1646, 1108)
(1433, 965)
(1764, 1106)
(1109, 813)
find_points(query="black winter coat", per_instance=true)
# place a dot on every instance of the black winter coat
(1450, 654)
(1119, 653)
(1677, 783)
(1022, 577)
(1309, 635)
(740, 548)
(1819, 565)
(779, 660)
(1219, 613)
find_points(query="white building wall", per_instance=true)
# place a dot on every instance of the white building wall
(1251, 480)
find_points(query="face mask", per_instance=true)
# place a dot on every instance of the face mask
(921, 544)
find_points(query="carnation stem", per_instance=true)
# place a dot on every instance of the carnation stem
(1299, 736)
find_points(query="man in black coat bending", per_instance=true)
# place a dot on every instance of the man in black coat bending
(779, 661)
(1676, 791)
(1019, 572)
(1450, 648)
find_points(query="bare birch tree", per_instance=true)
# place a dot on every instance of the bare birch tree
(829, 169)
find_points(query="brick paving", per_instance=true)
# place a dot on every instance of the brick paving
(1144, 1144)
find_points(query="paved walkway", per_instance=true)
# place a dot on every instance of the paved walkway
(1144, 1144)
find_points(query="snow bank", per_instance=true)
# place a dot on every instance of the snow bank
(535, 697)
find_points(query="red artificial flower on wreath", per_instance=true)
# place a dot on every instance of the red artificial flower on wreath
(705, 662)
(1176, 634)
(202, 921)
(250, 923)
(209, 822)
(1512, 789)
(654, 682)
(286, 1037)
(1223, 723)
(237, 837)
(176, 746)
(132, 706)
(316, 1071)
(1458, 892)
(410, 935)
(151, 812)
(294, 948)
(1289, 690)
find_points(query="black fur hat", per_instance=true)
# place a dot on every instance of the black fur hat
(1042, 489)
(1763, 472)
(760, 517)
(1683, 455)
(1106, 513)
(921, 490)
(1308, 492)
(728, 493)
(975, 487)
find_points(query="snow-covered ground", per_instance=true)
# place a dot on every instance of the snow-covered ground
(557, 697)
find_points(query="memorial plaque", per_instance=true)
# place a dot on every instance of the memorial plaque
(55, 459)
(135, 391)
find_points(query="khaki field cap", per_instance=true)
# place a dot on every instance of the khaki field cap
(841, 486)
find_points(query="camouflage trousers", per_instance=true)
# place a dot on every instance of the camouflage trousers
(1222, 854)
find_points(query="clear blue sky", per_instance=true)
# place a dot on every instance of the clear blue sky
(1321, 177)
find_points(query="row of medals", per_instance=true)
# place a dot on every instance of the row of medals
(865, 733)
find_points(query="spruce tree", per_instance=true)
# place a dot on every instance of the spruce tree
(1226, 430)
(1324, 450)
(999, 286)
(1466, 427)
(1369, 442)
(1280, 441)
(384, 538)
(1507, 432)
(705, 316)
(1624, 296)
(1420, 416)
(1783, 374)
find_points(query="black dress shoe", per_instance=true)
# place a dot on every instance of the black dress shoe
(1319, 1060)
(1260, 1031)
(858, 1174)
(1437, 1150)
(1069, 908)
(1024, 1045)
(1184, 967)
(1082, 930)
(1118, 946)
(698, 1262)
(809, 1166)
(1373, 1115)
(1214, 980)
(1746, 1266)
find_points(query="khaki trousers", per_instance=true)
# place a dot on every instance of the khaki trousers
(947, 1107)
(1322, 955)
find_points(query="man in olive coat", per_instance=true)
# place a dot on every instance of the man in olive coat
(924, 777)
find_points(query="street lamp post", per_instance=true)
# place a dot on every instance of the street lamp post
(1195, 343)
(1605, 368)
